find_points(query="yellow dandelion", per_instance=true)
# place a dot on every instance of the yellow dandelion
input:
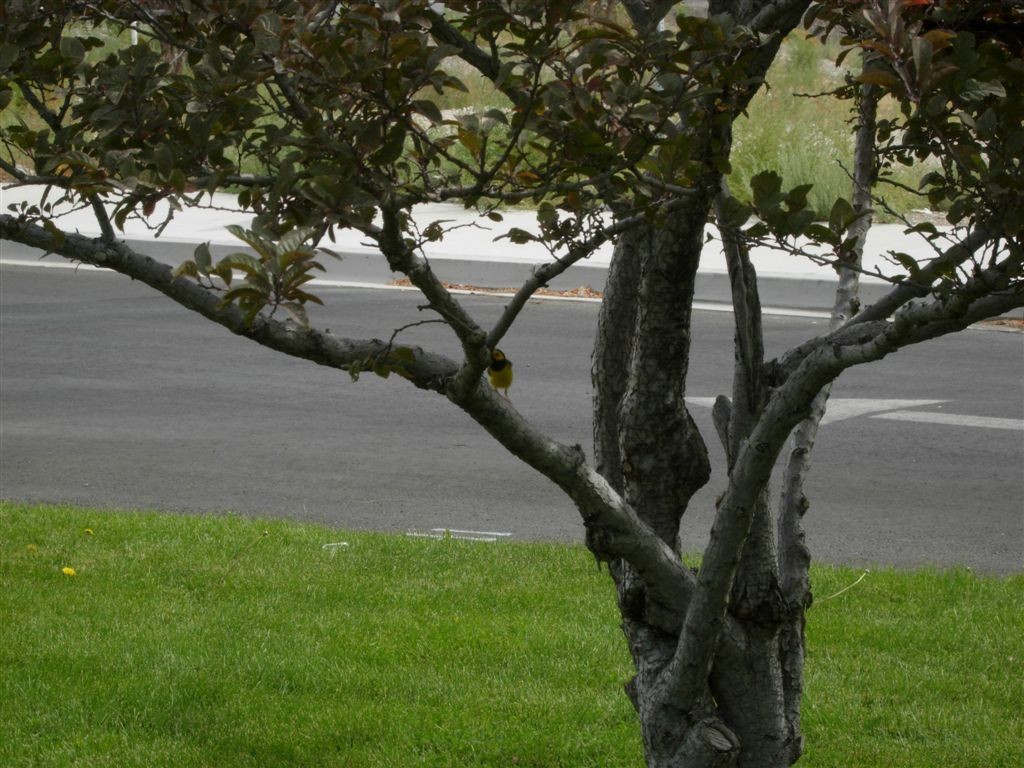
(68, 571)
(32, 548)
(88, 532)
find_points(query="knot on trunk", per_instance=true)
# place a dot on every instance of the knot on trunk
(762, 604)
(715, 738)
(707, 744)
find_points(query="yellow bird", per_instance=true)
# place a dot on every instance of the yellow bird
(499, 372)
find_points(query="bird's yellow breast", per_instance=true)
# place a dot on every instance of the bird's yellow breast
(500, 374)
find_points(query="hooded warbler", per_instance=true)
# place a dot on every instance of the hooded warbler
(499, 372)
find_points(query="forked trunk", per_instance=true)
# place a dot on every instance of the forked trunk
(649, 449)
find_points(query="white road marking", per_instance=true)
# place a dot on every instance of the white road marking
(953, 420)
(842, 408)
(705, 402)
(323, 282)
(53, 265)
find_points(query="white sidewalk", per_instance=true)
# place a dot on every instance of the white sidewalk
(472, 240)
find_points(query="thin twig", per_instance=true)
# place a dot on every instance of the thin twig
(844, 589)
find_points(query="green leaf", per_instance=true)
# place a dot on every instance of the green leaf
(822, 234)
(203, 257)
(429, 110)
(909, 263)
(244, 293)
(267, 32)
(177, 181)
(8, 55)
(263, 247)
(924, 228)
(296, 239)
(186, 269)
(841, 215)
(546, 214)
(878, 77)
(798, 221)
(757, 230)
(333, 254)
(297, 311)
(766, 188)
(392, 147)
(224, 272)
(518, 236)
(733, 213)
(470, 141)
(71, 48)
(433, 232)
(243, 262)
(163, 157)
(497, 115)
(975, 90)
(302, 297)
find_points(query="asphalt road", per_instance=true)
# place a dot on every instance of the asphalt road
(110, 395)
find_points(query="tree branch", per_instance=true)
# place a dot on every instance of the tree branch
(955, 255)
(476, 57)
(401, 258)
(794, 558)
(989, 292)
(686, 675)
(748, 384)
(544, 273)
(425, 370)
(755, 593)
(614, 530)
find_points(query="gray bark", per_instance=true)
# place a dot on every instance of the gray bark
(794, 556)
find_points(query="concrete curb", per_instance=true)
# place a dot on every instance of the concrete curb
(362, 266)
(473, 253)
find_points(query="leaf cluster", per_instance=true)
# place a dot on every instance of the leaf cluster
(273, 278)
(956, 71)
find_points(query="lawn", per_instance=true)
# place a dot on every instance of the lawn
(226, 641)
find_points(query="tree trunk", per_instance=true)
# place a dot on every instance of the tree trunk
(648, 448)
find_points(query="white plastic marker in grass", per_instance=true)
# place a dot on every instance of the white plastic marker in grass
(459, 533)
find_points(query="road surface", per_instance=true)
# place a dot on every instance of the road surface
(110, 395)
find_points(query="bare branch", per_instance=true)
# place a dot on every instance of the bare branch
(402, 258)
(614, 529)
(748, 376)
(442, 30)
(686, 675)
(794, 557)
(955, 255)
(781, 14)
(543, 274)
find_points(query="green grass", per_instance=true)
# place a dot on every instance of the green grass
(225, 641)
